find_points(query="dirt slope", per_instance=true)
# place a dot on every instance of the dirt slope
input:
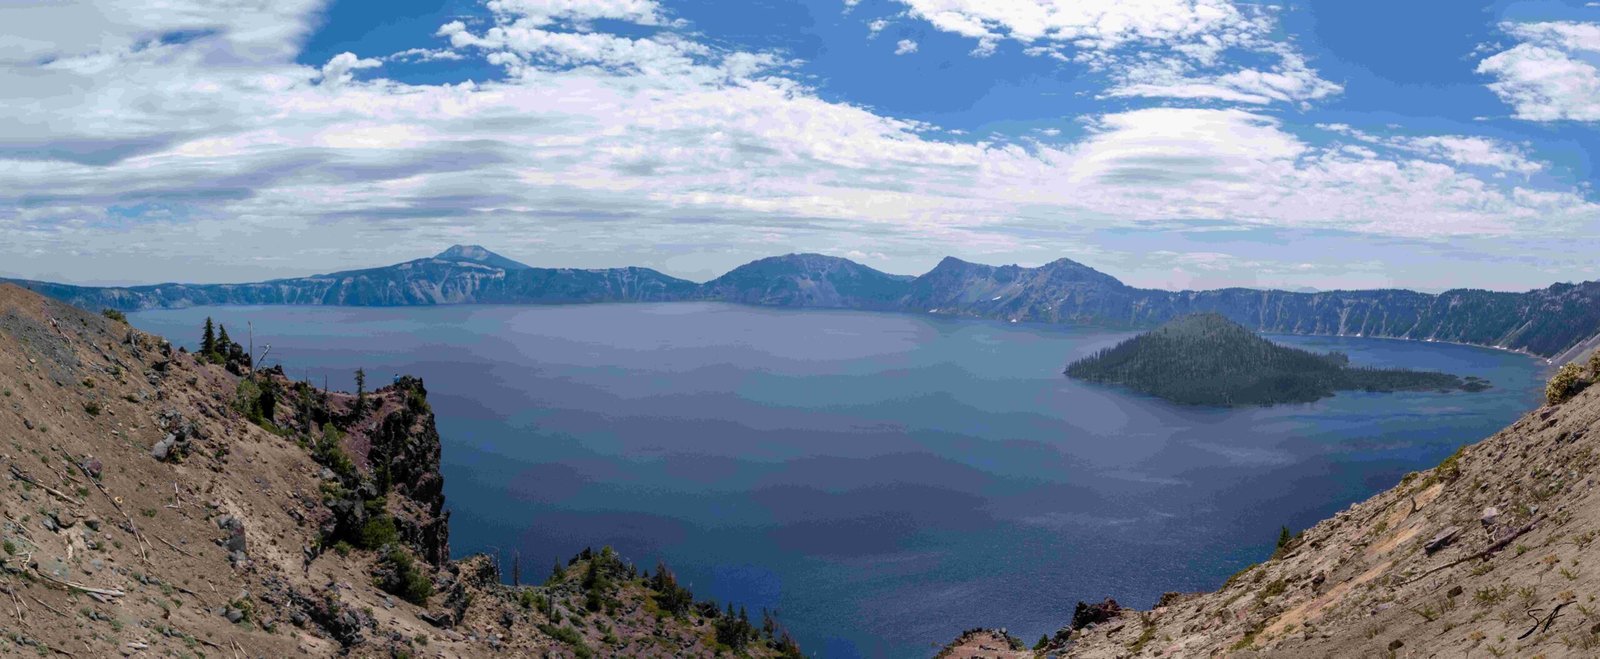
(158, 505)
(1490, 554)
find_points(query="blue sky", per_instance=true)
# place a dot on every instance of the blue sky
(1172, 143)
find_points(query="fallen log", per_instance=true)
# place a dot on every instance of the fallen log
(102, 594)
(1487, 552)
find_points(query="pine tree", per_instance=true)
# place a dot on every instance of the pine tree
(361, 391)
(516, 569)
(208, 339)
(1284, 537)
(223, 343)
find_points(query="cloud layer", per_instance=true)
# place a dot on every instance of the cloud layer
(193, 133)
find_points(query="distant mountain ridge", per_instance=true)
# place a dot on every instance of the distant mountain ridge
(1559, 322)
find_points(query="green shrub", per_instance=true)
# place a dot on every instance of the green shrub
(1450, 469)
(115, 315)
(569, 636)
(1568, 381)
(377, 532)
(403, 578)
(330, 453)
(256, 401)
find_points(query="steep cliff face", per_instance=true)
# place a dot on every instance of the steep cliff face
(160, 505)
(1492, 553)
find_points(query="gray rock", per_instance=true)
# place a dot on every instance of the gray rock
(163, 448)
(1442, 540)
(91, 466)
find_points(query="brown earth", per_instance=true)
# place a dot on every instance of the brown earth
(272, 537)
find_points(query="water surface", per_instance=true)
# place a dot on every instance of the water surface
(883, 481)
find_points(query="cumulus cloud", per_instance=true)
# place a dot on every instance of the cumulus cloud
(905, 47)
(1552, 74)
(340, 69)
(599, 146)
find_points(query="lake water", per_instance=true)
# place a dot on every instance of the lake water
(883, 481)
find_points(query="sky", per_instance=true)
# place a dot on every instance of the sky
(1305, 144)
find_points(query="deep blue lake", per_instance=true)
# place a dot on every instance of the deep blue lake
(883, 481)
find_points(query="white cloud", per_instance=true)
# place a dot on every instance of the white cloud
(601, 147)
(340, 69)
(1552, 74)
(1288, 81)
(549, 12)
(1456, 149)
(1182, 44)
(1478, 151)
(250, 30)
(425, 55)
(905, 47)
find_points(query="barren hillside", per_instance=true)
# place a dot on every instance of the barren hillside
(1491, 554)
(157, 504)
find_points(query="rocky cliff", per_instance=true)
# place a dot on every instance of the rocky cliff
(157, 504)
(1493, 553)
(1557, 322)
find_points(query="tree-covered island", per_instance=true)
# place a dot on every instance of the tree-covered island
(1206, 359)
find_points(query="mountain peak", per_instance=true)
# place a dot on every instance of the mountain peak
(479, 254)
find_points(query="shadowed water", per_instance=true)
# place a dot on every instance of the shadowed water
(883, 481)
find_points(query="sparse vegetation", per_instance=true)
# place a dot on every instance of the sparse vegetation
(400, 576)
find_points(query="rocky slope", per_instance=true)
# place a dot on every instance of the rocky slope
(1491, 554)
(1558, 322)
(156, 504)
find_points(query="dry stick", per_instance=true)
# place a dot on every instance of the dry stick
(29, 480)
(15, 602)
(47, 606)
(101, 592)
(1490, 550)
(173, 546)
(140, 545)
